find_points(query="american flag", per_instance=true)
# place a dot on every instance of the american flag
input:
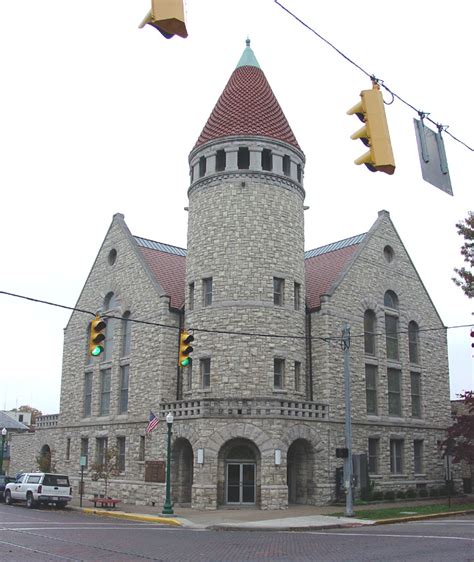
(152, 422)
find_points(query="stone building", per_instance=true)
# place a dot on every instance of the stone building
(259, 413)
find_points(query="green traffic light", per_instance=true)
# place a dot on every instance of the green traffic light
(97, 350)
(185, 362)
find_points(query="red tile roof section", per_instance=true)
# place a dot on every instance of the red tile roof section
(170, 272)
(247, 107)
(323, 270)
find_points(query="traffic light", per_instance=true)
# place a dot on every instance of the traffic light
(97, 336)
(374, 133)
(472, 336)
(167, 16)
(185, 349)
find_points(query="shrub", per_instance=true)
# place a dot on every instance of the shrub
(389, 495)
(434, 492)
(423, 493)
(443, 491)
(411, 493)
(377, 495)
(401, 495)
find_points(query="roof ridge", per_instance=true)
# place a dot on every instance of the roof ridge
(162, 247)
(333, 246)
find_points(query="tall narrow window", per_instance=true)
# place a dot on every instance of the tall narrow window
(415, 384)
(396, 456)
(105, 376)
(373, 456)
(278, 291)
(121, 454)
(299, 174)
(220, 160)
(85, 449)
(87, 411)
(413, 344)
(126, 334)
(205, 365)
(394, 393)
(189, 381)
(267, 160)
(191, 296)
(286, 165)
(207, 291)
(124, 381)
(202, 166)
(297, 296)
(418, 456)
(68, 448)
(243, 158)
(391, 325)
(100, 450)
(369, 332)
(297, 376)
(371, 389)
(141, 448)
(278, 373)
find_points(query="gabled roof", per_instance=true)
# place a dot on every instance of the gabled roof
(247, 107)
(10, 423)
(324, 265)
(168, 264)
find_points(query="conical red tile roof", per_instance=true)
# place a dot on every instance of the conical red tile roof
(247, 107)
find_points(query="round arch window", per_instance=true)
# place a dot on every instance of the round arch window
(388, 253)
(112, 256)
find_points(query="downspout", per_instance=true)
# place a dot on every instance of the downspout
(310, 353)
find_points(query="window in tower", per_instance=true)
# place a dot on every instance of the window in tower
(278, 291)
(297, 296)
(267, 160)
(299, 175)
(205, 365)
(278, 373)
(207, 291)
(243, 158)
(202, 166)
(191, 296)
(286, 165)
(220, 160)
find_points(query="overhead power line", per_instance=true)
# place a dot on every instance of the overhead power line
(326, 339)
(379, 81)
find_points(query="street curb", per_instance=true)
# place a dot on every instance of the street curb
(421, 517)
(286, 529)
(132, 516)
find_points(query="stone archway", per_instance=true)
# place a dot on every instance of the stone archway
(44, 459)
(182, 471)
(300, 463)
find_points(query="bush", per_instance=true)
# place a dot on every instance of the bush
(377, 495)
(401, 495)
(389, 495)
(434, 492)
(411, 493)
(423, 493)
(443, 491)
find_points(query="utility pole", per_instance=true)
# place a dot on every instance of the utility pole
(346, 344)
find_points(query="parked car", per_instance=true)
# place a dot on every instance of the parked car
(36, 488)
(4, 480)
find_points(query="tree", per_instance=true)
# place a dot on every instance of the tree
(465, 276)
(106, 469)
(460, 436)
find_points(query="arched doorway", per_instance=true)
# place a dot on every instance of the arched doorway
(239, 462)
(300, 464)
(44, 459)
(182, 471)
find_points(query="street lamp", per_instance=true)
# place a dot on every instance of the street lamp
(4, 434)
(168, 506)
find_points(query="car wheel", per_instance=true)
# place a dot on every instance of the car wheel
(30, 503)
(8, 497)
(61, 505)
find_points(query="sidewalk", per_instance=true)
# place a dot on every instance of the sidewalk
(296, 517)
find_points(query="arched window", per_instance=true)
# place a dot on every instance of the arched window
(413, 342)
(391, 325)
(126, 334)
(369, 332)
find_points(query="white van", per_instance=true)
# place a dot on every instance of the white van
(35, 488)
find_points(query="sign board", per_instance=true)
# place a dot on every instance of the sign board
(155, 471)
(83, 461)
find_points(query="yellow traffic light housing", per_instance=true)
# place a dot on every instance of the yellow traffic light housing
(167, 16)
(97, 336)
(374, 133)
(185, 349)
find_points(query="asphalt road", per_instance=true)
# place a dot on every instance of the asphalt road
(47, 534)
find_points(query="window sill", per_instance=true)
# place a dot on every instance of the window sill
(398, 476)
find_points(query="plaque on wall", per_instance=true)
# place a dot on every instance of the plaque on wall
(155, 471)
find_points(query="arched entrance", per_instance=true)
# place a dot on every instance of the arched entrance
(44, 459)
(239, 464)
(182, 471)
(300, 464)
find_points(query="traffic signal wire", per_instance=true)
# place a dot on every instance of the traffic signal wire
(327, 339)
(425, 115)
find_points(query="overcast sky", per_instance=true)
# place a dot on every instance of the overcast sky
(98, 117)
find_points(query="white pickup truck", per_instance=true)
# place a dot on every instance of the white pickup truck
(35, 488)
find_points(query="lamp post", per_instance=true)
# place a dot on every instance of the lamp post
(4, 434)
(168, 506)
